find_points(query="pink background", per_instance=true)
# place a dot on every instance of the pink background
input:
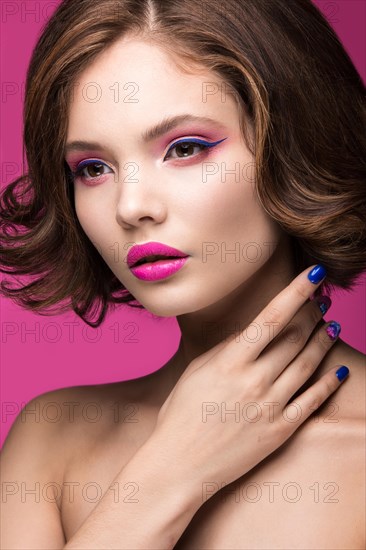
(42, 353)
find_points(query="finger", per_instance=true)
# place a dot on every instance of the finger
(292, 339)
(296, 412)
(306, 363)
(273, 318)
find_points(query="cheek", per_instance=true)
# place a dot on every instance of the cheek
(90, 211)
(223, 205)
(226, 210)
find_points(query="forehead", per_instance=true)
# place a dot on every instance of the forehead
(138, 83)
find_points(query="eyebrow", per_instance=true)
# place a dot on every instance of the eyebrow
(156, 131)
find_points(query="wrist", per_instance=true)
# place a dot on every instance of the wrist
(172, 478)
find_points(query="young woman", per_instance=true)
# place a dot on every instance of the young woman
(215, 138)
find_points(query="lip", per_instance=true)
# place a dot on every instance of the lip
(158, 270)
(140, 251)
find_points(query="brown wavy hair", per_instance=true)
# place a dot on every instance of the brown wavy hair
(291, 75)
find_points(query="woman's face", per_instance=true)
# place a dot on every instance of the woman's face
(198, 197)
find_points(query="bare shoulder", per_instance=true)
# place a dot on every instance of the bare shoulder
(50, 443)
(58, 420)
(340, 421)
(324, 462)
(332, 440)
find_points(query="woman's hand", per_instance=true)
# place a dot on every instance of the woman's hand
(231, 407)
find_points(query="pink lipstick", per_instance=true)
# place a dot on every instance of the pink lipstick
(154, 261)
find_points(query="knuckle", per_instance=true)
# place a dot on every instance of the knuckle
(323, 392)
(329, 387)
(257, 385)
(302, 289)
(306, 366)
(315, 402)
(272, 315)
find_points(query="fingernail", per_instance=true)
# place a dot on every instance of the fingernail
(324, 303)
(317, 274)
(342, 372)
(333, 330)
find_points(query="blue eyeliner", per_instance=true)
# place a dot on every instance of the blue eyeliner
(207, 144)
(85, 163)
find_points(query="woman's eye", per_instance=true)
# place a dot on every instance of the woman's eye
(187, 147)
(90, 170)
(184, 149)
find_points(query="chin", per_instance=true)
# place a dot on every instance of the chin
(173, 309)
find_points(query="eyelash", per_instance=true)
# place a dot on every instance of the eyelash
(189, 141)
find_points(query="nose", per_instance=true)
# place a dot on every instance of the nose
(138, 200)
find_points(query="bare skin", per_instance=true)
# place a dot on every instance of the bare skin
(323, 460)
(313, 482)
(305, 478)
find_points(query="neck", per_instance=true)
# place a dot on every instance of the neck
(203, 329)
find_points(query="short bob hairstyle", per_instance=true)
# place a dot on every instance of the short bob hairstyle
(290, 75)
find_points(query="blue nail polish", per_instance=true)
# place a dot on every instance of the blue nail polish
(342, 372)
(317, 274)
(333, 330)
(324, 303)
